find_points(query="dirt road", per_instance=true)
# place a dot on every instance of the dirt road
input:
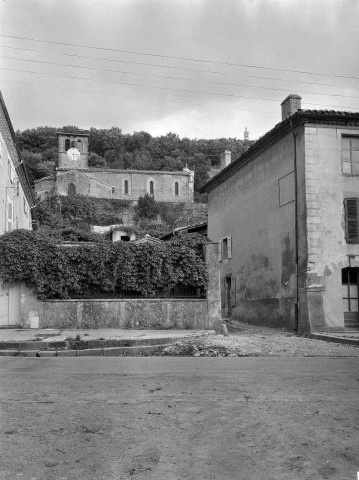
(179, 418)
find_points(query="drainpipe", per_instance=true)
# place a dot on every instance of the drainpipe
(296, 303)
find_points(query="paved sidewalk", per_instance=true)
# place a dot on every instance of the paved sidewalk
(100, 342)
(55, 335)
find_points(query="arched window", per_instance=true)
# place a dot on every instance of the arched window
(67, 144)
(151, 188)
(71, 190)
(125, 187)
(176, 189)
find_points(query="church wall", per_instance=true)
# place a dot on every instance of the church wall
(111, 184)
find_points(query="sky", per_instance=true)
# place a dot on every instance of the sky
(197, 68)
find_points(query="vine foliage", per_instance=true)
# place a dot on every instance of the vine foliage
(100, 270)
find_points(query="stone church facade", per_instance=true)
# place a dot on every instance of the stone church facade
(73, 176)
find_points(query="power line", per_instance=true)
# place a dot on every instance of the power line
(137, 97)
(132, 52)
(174, 78)
(161, 88)
(215, 72)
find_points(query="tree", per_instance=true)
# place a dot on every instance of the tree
(147, 207)
(96, 161)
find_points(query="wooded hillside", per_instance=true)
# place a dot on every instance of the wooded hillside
(110, 148)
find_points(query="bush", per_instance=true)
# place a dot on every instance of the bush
(85, 271)
(147, 207)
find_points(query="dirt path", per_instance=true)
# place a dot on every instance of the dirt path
(179, 418)
(256, 341)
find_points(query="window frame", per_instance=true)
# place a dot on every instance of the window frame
(350, 137)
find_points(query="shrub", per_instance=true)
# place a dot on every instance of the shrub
(85, 271)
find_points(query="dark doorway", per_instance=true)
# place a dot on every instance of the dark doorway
(228, 305)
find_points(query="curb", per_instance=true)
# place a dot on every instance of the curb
(144, 350)
(334, 339)
(86, 345)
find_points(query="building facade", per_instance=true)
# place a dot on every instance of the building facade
(286, 215)
(16, 201)
(74, 176)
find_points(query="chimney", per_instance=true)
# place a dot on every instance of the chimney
(290, 105)
(226, 159)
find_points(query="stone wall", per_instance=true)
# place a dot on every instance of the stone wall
(108, 183)
(115, 313)
(150, 313)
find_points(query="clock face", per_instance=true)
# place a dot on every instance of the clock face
(73, 153)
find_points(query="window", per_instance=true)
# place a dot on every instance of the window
(71, 190)
(176, 189)
(151, 188)
(350, 155)
(226, 248)
(67, 144)
(350, 289)
(350, 277)
(351, 220)
(125, 187)
(25, 206)
(79, 145)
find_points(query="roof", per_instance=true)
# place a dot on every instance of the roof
(73, 134)
(111, 171)
(147, 239)
(199, 227)
(301, 117)
(19, 164)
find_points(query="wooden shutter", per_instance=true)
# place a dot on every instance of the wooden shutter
(10, 214)
(220, 250)
(229, 247)
(351, 220)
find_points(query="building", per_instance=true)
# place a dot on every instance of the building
(74, 176)
(286, 216)
(16, 206)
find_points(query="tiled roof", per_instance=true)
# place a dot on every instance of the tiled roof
(323, 117)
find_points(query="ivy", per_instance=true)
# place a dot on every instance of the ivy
(103, 269)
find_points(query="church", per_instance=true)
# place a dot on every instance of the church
(74, 176)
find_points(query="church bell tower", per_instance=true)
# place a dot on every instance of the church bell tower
(73, 150)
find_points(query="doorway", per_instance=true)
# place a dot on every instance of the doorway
(10, 297)
(350, 296)
(228, 291)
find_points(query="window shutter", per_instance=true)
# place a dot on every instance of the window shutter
(229, 247)
(220, 251)
(10, 214)
(351, 220)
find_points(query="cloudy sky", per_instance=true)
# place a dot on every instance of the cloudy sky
(199, 68)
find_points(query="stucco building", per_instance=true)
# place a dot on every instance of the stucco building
(16, 202)
(74, 176)
(286, 215)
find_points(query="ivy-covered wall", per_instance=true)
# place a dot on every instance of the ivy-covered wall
(101, 270)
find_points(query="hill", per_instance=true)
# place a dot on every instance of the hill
(110, 148)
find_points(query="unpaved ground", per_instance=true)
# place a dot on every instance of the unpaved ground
(249, 340)
(165, 418)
